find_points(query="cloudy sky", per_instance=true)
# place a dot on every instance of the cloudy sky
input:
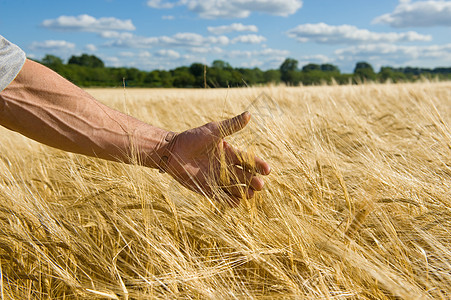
(164, 34)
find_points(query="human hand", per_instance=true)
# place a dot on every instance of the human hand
(202, 161)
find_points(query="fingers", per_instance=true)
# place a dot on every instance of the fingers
(241, 176)
(232, 125)
(240, 181)
(253, 164)
(241, 185)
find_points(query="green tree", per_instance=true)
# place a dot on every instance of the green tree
(251, 76)
(289, 71)
(221, 74)
(311, 67)
(312, 74)
(272, 76)
(87, 61)
(314, 77)
(182, 77)
(329, 68)
(221, 65)
(134, 77)
(364, 71)
(152, 79)
(388, 73)
(51, 60)
(166, 79)
(197, 70)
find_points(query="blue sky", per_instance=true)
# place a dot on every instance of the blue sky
(164, 34)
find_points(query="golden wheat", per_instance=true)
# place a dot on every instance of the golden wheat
(358, 204)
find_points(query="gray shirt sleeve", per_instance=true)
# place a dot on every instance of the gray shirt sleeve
(12, 59)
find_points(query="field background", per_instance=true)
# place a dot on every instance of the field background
(358, 204)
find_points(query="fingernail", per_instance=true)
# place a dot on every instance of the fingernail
(246, 115)
(267, 170)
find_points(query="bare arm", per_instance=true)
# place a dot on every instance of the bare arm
(45, 107)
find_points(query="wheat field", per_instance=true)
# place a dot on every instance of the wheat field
(357, 206)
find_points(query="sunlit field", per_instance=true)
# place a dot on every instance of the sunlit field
(357, 206)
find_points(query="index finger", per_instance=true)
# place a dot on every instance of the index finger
(250, 162)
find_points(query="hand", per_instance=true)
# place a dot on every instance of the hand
(202, 161)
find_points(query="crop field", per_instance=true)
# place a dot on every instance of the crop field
(357, 206)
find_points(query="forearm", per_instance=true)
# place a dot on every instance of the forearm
(44, 106)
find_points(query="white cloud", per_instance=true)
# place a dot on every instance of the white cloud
(318, 58)
(144, 60)
(170, 59)
(330, 34)
(193, 39)
(91, 47)
(273, 52)
(32, 55)
(113, 61)
(239, 54)
(252, 64)
(168, 53)
(438, 52)
(126, 54)
(116, 35)
(144, 54)
(268, 52)
(87, 23)
(235, 27)
(249, 39)
(129, 54)
(267, 58)
(183, 39)
(241, 8)
(188, 59)
(274, 62)
(397, 54)
(232, 8)
(418, 14)
(49, 45)
(169, 17)
(206, 50)
(160, 4)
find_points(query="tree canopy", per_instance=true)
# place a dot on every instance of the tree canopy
(86, 61)
(364, 71)
(89, 70)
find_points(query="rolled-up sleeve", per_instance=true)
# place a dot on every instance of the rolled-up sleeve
(12, 58)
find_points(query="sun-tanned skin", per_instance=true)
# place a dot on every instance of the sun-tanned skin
(47, 108)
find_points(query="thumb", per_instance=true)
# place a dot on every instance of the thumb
(232, 125)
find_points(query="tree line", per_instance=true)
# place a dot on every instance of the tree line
(90, 71)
